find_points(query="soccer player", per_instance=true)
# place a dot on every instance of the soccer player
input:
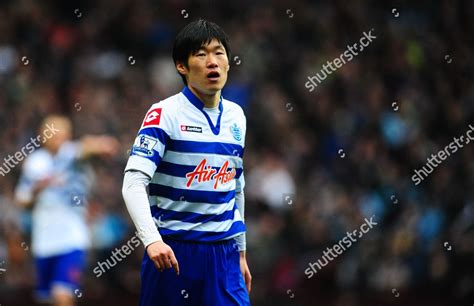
(189, 153)
(56, 182)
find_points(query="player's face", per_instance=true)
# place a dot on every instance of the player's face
(62, 134)
(207, 68)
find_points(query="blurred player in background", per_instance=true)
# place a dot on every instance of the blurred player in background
(55, 182)
(189, 151)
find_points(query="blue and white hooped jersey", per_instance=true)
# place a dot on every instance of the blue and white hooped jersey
(196, 167)
(59, 213)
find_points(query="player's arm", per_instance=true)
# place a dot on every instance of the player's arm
(240, 197)
(241, 239)
(32, 181)
(102, 145)
(145, 156)
(136, 199)
(26, 194)
(241, 242)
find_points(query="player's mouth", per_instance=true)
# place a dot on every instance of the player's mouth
(213, 76)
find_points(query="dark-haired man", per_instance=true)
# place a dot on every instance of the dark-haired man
(193, 220)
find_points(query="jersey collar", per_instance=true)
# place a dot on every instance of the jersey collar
(199, 105)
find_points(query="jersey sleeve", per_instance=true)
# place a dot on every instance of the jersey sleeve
(34, 169)
(70, 151)
(240, 179)
(150, 143)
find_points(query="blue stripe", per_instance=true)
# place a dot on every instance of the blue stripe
(155, 132)
(211, 197)
(156, 158)
(237, 227)
(182, 170)
(221, 148)
(165, 214)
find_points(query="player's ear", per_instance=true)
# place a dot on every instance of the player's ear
(181, 68)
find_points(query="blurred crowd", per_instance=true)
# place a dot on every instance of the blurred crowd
(316, 163)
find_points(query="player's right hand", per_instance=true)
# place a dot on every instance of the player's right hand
(162, 256)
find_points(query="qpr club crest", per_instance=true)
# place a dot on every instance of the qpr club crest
(236, 132)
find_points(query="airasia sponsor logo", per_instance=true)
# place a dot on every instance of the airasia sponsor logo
(205, 173)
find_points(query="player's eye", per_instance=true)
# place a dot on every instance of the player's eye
(219, 53)
(201, 54)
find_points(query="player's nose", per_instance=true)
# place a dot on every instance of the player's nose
(211, 61)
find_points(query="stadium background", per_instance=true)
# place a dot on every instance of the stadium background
(78, 62)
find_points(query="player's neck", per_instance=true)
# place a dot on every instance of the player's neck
(210, 101)
(52, 150)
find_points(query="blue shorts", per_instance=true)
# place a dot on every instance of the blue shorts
(209, 275)
(63, 271)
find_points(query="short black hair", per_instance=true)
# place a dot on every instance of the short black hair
(193, 36)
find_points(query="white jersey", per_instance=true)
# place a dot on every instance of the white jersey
(58, 217)
(196, 167)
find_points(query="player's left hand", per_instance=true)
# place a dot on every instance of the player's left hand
(244, 268)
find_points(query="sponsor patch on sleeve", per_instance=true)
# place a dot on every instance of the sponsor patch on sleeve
(144, 145)
(152, 117)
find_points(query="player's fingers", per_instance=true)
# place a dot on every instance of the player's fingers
(174, 263)
(160, 260)
(166, 261)
(157, 264)
(248, 281)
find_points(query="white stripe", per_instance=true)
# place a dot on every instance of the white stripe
(160, 148)
(199, 208)
(140, 163)
(211, 226)
(240, 183)
(180, 182)
(193, 159)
